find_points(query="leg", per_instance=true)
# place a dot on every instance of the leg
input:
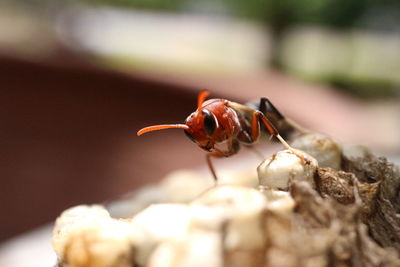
(258, 117)
(211, 166)
(233, 147)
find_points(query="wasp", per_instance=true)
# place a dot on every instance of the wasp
(218, 126)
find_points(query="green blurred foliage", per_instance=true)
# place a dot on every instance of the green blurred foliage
(277, 13)
(278, 16)
(334, 13)
(166, 5)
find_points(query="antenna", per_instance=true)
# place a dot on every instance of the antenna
(161, 127)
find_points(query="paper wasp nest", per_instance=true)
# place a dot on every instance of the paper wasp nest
(346, 215)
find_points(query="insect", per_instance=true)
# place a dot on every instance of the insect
(219, 126)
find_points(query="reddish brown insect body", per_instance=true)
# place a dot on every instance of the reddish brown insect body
(218, 125)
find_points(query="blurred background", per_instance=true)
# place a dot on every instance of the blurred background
(78, 78)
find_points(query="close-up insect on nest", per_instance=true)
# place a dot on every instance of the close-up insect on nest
(219, 126)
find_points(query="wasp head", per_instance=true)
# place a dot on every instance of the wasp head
(199, 126)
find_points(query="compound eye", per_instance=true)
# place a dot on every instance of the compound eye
(210, 122)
